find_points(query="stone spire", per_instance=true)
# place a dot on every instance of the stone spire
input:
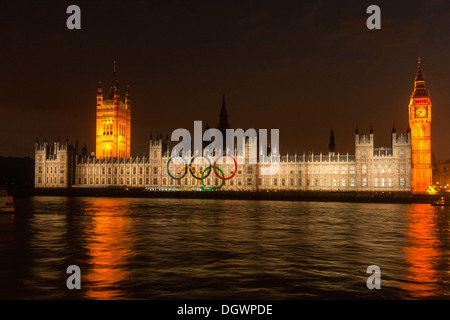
(419, 84)
(223, 119)
(332, 146)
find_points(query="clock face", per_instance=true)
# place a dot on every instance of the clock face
(421, 112)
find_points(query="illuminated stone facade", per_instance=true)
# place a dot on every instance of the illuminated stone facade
(54, 165)
(420, 124)
(396, 168)
(370, 169)
(113, 129)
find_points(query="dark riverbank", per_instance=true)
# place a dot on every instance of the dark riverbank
(376, 197)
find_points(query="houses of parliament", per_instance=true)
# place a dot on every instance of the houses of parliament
(404, 166)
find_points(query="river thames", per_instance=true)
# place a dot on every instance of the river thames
(129, 248)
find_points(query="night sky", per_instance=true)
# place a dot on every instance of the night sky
(304, 67)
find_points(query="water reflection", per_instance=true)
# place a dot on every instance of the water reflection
(227, 249)
(109, 242)
(422, 251)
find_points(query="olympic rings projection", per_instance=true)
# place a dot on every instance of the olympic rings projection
(204, 173)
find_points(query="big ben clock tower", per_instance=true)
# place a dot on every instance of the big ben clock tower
(420, 125)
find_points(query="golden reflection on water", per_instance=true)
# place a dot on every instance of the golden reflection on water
(109, 246)
(421, 252)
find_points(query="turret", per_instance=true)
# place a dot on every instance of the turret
(393, 135)
(116, 89)
(128, 98)
(371, 134)
(99, 96)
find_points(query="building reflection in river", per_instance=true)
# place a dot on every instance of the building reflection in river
(109, 246)
(425, 250)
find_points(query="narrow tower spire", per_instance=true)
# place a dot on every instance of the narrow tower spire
(419, 83)
(332, 146)
(114, 74)
(223, 119)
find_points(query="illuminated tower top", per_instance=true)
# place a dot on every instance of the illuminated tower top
(113, 139)
(419, 85)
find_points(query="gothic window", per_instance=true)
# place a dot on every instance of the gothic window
(364, 182)
(364, 168)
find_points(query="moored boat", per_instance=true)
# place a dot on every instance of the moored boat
(441, 202)
(6, 203)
